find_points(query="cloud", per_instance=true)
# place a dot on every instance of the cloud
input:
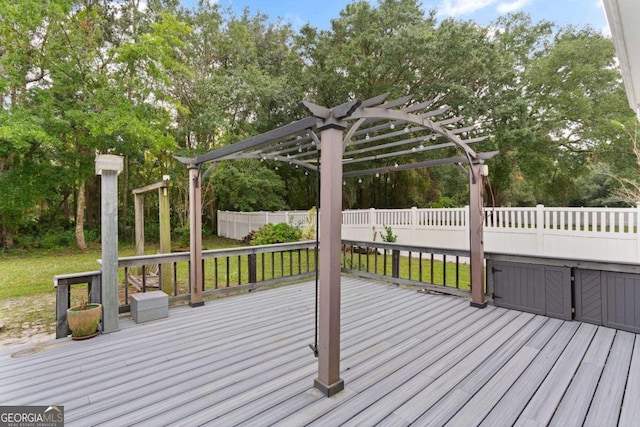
(513, 6)
(462, 7)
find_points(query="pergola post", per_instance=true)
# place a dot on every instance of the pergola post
(138, 203)
(109, 166)
(195, 226)
(165, 235)
(329, 381)
(476, 244)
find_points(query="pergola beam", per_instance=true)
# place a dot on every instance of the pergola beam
(258, 141)
(417, 165)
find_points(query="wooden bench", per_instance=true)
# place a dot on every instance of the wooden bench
(148, 279)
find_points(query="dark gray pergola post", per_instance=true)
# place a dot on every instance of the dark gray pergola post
(329, 381)
(476, 226)
(109, 166)
(195, 227)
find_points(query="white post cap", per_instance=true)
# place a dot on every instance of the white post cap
(109, 162)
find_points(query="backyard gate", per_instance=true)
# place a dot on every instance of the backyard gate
(593, 292)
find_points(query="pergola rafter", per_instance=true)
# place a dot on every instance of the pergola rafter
(355, 138)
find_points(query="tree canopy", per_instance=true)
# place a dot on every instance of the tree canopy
(149, 80)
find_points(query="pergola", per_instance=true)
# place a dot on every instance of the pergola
(351, 136)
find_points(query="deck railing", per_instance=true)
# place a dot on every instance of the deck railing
(430, 268)
(224, 270)
(248, 268)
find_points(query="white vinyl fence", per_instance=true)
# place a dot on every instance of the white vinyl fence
(601, 234)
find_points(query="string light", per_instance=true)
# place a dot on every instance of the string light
(421, 146)
(392, 126)
(344, 182)
(300, 150)
(395, 165)
(276, 168)
(359, 180)
(377, 175)
(367, 137)
(306, 173)
(406, 129)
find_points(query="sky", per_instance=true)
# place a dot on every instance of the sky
(320, 13)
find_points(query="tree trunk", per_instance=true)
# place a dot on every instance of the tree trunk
(80, 202)
(7, 237)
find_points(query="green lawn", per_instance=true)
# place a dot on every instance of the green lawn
(32, 272)
(412, 269)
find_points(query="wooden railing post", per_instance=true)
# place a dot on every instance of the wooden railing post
(395, 263)
(253, 264)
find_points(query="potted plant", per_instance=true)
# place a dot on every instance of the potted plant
(83, 320)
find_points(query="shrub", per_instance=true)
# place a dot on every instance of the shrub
(246, 240)
(278, 233)
(309, 230)
(388, 235)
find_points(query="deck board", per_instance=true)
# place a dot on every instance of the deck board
(605, 406)
(407, 358)
(575, 403)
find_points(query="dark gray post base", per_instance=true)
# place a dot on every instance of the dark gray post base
(329, 391)
(479, 305)
(196, 304)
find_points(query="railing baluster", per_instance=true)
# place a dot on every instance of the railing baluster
(431, 268)
(281, 264)
(239, 269)
(175, 279)
(420, 269)
(126, 285)
(444, 270)
(203, 275)
(227, 258)
(144, 278)
(409, 265)
(215, 272)
(263, 266)
(385, 262)
(375, 260)
(457, 272)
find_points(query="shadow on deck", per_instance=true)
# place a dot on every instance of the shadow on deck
(407, 358)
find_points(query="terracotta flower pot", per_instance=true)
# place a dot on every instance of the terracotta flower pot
(84, 322)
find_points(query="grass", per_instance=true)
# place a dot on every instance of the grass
(31, 272)
(411, 269)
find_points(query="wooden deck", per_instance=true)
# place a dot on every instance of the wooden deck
(407, 358)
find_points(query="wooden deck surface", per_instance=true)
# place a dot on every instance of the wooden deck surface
(408, 358)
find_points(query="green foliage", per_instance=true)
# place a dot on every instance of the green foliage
(80, 77)
(246, 185)
(309, 230)
(278, 233)
(388, 235)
